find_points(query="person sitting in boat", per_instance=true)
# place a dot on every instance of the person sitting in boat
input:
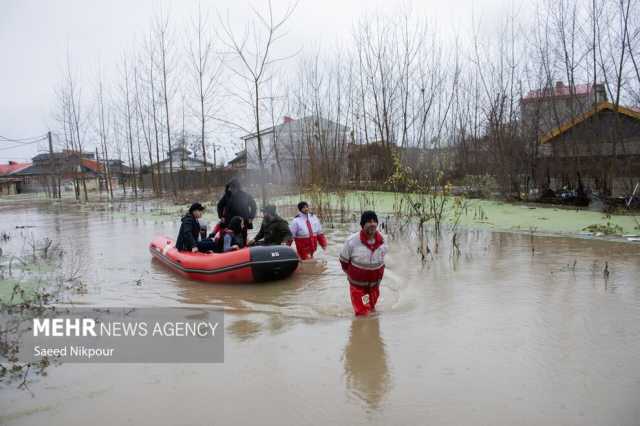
(274, 230)
(190, 229)
(209, 243)
(217, 231)
(236, 202)
(307, 232)
(231, 237)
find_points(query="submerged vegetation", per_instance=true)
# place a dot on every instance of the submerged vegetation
(32, 280)
(426, 204)
(605, 229)
(474, 213)
(427, 201)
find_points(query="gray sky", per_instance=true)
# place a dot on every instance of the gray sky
(34, 36)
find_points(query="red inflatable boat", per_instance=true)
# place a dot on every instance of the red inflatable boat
(252, 264)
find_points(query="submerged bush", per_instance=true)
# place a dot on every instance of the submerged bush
(31, 283)
(606, 229)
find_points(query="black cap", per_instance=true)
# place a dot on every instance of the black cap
(196, 206)
(302, 205)
(269, 209)
(368, 216)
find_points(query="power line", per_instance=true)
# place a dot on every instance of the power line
(20, 145)
(23, 140)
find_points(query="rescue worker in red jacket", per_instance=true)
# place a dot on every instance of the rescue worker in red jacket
(362, 258)
(307, 232)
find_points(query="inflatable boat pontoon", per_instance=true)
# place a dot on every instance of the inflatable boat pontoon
(247, 265)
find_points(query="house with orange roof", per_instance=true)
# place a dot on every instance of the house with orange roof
(55, 172)
(9, 184)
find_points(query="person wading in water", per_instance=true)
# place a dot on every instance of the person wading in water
(307, 232)
(362, 258)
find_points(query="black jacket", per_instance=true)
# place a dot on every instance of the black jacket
(188, 234)
(274, 231)
(237, 204)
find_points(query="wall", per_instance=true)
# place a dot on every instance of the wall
(193, 179)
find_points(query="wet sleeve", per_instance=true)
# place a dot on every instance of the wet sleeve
(221, 205)
(289, 239)
(293, 227)
(384, 254)
(252, 207)
(345, 256)
(322, 240)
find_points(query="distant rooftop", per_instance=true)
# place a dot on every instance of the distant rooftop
(240, 156)
(12, 167)
(65, 153)
(562, 90)
(297, 125)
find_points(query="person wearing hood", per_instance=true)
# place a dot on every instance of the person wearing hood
(190, 229)
(274, 230)
(362, 259)
(236, 202)
(307, 232)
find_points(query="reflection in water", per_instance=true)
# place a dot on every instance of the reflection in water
(522, 336)
(365, 362)
(244, 330)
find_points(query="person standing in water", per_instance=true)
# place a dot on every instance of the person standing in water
(362, 258)
(236, 202)
(307, 232)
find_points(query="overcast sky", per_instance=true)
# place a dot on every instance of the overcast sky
(34, 35)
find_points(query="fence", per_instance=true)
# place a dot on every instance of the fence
(197, 179)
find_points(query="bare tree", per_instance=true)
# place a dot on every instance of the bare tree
(150, 47)
(129, 117)
(72, 117)
(103, 134)
(144, 115)
(206, 68)
(254, 50)
(166, 67)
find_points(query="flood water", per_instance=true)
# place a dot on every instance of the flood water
(500, 335)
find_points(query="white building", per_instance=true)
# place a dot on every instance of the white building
(182, 160)
(291, 145)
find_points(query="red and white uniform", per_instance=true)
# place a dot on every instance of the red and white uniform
(307, 233)
(363, 261)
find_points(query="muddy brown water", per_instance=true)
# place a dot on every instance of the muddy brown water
(495, 336)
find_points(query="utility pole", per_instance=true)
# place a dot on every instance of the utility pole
(55, 189)
(98, 171)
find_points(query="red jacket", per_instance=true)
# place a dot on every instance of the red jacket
(307, 233)
(363, 260)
